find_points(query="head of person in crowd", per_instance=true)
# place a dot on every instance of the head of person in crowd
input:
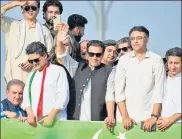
(55, 50)
(76, 24)
(51, 8)
(110, 53)
(31, 9)
(124, 46)
(37, 55)
(14, 91)
(165, 65)
(139, 37)
(95, 50)
(173, 57)
(83, 48)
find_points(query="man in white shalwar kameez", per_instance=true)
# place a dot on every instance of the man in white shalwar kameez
(47, 91)
(20, 33)
(171, 105)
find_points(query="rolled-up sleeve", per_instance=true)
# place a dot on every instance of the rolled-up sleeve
(68, 62)
(160, 76)
(62, 91)
(26, 101)
(110, 87)
(120, 80)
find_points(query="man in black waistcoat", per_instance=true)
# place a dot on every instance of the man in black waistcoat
(93, 96)
(10, 107)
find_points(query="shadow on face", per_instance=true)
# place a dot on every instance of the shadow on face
(95, 55)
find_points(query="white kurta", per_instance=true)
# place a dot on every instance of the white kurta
(172, 99)
(140, 83)
(56, 91)
(11, 28)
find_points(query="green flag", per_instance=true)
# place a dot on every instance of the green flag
(13, 129)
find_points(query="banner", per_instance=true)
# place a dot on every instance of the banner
(13, 129)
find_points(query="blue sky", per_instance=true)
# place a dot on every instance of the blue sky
(162, 18)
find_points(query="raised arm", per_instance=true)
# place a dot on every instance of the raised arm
(13, 4)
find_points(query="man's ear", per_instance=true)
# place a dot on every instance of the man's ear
(7, 92)
(76, 30)
(22, 11)
(147, 40)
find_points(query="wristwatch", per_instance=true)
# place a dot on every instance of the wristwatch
(153, 115)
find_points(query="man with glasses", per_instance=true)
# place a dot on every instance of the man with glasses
(92, 82)
(139, 82)
(124, 46)
(51, 8)
(46, 93)
(19, 34)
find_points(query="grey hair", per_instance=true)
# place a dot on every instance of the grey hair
(15, 82)
(52, 54)
(176, 51)
(124, 40)
(37, 48)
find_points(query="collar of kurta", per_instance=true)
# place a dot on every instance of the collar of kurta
(147, 55)
(86, 65)
(178, 75)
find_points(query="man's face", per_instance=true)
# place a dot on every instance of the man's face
(30, 10)
(15, 94)
(138, 41)
(50, 13)
(95, 54)
(174, 65)
(83, 47)
(124, 48)
(110, 54)
(37, 60)
(81, 31)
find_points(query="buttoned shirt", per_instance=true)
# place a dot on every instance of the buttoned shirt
(172, 98)
(140, 82)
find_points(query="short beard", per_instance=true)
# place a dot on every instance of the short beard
(49, 22)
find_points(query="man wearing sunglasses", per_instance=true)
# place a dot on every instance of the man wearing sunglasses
(124, 46)
(46, 93)
(139, 82)
(20, 33)
(92, 80)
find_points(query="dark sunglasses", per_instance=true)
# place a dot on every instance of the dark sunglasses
(27, 8)
(37, 60)
(125, 49)
(96, 54)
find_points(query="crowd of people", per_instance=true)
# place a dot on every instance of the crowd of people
(50, 75)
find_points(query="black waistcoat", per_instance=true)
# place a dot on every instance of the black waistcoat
(98, 78)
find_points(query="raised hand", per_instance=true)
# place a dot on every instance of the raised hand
(20, 2)
(62, 32)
